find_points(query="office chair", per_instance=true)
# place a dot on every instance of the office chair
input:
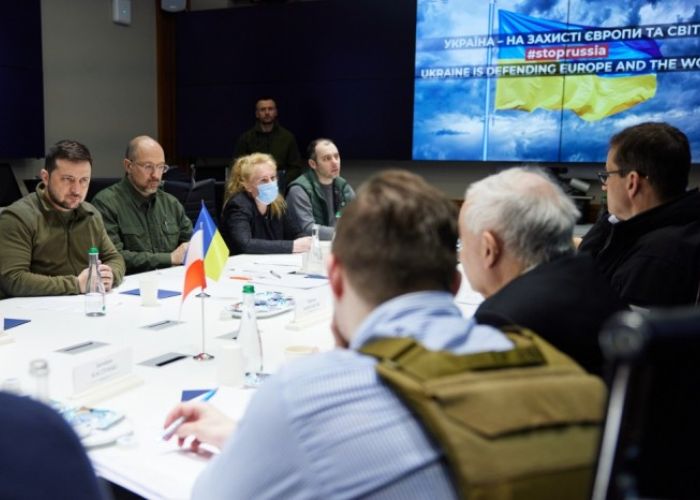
(216, 172)
(651, 438)
(204, 190)
(179, 174)
(97, 184)
(31, 184)
(192, 194)
(9, 188)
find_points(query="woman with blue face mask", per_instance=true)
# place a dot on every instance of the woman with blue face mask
(255, 217)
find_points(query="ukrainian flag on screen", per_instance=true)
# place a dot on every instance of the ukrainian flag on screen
(591, 97)
(215, 249)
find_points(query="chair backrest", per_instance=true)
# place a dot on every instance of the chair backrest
(9, 188)
(179, 174)
(216, 172)
(204, 190)
(191, 196)
(97, 184)
(652, 435)
(219, 194)
(31, 184)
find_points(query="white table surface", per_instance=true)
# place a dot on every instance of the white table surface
(145, 464)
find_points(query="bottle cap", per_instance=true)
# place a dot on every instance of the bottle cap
(94, 250)
(248, 289)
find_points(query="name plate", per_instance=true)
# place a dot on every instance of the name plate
(101, 370)
(311, 303)
(311, 307)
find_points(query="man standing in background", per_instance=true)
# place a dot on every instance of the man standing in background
(268, 136)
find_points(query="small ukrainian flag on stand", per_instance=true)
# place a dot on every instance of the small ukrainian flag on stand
(215, 249)
(206, 258)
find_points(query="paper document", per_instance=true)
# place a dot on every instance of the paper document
(299, 281)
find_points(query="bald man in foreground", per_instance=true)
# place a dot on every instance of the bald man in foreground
(147, 225)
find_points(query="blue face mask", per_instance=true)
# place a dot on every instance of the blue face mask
(267, 192)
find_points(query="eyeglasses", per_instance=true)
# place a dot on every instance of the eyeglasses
(603, 176)
(151, 168)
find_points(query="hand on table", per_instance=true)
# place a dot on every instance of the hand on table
(105, 273)
(203, 421)
(177, 256)
(302, 244)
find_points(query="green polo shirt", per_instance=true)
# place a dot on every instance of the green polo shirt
(145, 230)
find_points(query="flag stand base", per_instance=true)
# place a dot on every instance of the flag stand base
(203, 356)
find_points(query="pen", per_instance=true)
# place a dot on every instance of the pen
(276, 275)
(310, 275)
(174, 426)
(159, 323)
(77, 346)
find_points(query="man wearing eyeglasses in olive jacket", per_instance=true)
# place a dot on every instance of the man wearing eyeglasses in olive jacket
(148, 226)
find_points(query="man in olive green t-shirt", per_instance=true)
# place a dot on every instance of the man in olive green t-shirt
(148, 226)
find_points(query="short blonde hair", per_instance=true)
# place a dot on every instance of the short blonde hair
(241, 172)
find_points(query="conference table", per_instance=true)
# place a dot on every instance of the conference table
(151, 349)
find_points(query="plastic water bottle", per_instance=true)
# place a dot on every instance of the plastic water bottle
(39, 371)
(315, 259)
(95, 288)
(316, 243)
(249, 335)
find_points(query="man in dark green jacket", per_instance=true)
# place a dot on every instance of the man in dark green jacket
(268, 136)
(320, 194)
(47, 234)
(148, 226)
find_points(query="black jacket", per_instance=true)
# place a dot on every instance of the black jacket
(245, 230)
(652, 259)
(565, 301)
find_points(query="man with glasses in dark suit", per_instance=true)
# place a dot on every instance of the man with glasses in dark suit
(648, 244)
(148, 226)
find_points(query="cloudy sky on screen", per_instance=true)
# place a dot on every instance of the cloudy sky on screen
(449, 114)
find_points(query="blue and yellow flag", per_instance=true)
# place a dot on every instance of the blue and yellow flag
(591, 96)
(214, 247)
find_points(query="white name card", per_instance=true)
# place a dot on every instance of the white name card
(311, 306)
(310, 303)
(97, 371)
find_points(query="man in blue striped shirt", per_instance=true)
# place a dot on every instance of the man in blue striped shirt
(326, 427)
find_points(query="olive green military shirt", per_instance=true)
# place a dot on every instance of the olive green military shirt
(43, 250)
(145, 230)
